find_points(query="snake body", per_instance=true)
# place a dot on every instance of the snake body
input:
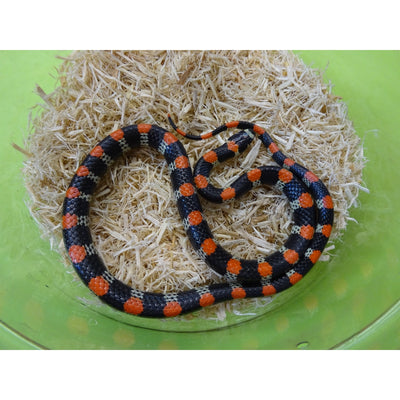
(310, 202)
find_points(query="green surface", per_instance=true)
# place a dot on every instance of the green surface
(350, 302)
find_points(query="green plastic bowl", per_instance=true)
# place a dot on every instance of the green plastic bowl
(350, 302)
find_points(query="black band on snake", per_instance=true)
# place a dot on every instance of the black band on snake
(309, 199)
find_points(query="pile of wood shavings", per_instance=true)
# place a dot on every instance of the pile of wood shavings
(134, 219)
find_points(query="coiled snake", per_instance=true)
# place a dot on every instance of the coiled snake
(309, 199)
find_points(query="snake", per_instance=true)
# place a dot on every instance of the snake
(310, 202)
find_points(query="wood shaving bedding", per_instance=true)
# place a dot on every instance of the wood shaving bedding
(134, 218)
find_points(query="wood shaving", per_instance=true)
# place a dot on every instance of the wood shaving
(134, 218)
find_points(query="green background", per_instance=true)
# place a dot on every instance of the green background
(350, 302)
